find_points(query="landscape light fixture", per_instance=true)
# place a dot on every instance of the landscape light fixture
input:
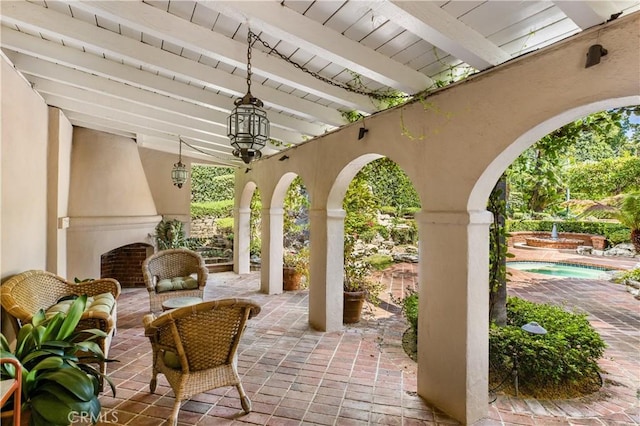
(248, 126)
(179, 172)
(534, 328)
(284, 157)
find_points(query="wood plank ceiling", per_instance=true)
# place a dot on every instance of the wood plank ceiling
(159, 70)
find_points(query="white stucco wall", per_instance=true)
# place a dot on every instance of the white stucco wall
(24, 175)
(171, 202)
(459, 140)
(110, 203)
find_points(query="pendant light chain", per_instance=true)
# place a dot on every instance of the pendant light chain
(250, 34)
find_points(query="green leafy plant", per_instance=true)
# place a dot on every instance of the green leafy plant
(409, 306)
(633, 274)
(629, 216)
(55, 384)
(357, 274)
(170, 234)
(299, 260)
(564, 358)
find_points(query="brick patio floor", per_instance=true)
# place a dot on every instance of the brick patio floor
(361, 375)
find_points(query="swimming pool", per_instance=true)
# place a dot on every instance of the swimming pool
(567, 270)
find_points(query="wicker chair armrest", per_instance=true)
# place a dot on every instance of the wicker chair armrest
(95, 287)
(149, 328)
(203, 274)
(15, 310)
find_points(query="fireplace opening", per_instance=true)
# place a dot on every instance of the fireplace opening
(125, 264)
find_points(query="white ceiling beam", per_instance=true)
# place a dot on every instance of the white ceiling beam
(165, 26)
(434, 25)
(56, 25)
(142, 139)
(586, 14)
(142, 123)
(216, 133)
(67, 79)
(287, 24)
(69, 57)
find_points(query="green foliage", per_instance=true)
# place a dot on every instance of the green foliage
(407, 233)
(55, 385)
(211, 183)
(170, 234)
(409, 306)
(537, 180)
(604, 178)
(224, 224)
(620, 236)
(380, 262)
(298, 260)
(296, 207)
(567, 354)
(217, 209)
(498, 253)
(633, 274)
(255, 223)
(391, 186)
(360, 206)
(605, 229)
(357, 273)
(629, 214)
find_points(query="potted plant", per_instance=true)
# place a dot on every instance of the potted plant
(358, 284)
(56, 383)
(295, 269)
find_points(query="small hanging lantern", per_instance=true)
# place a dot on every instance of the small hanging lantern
(179, 173)
(248, 126)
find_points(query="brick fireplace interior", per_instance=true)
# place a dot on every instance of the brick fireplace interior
(125, 264)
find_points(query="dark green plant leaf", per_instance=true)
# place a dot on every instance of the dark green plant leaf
(73, 317)
(74, 380)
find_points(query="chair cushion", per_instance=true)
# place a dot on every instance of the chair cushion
(178, 283)
(100, 303)
(171, 360)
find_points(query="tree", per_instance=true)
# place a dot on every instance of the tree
(498, 254)
(630, 216)
(536, 179)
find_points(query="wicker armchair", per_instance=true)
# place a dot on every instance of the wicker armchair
(169, 264)
(23, 295)
(195, 347)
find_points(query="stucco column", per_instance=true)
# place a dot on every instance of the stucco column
(325, 267)
(453, 329)
(242, 241)
(271, 268)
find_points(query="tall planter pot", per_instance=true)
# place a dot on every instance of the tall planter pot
(290, 279)
(352, 308)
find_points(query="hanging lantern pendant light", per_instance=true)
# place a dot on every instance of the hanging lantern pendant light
(179, 172)
(248, 126)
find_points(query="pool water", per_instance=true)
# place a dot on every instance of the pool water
(560, 269)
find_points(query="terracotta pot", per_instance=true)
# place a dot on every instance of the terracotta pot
(290, 279)
(353, 301)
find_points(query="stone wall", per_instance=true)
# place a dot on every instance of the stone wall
(598, 242)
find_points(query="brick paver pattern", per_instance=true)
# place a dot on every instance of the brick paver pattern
(360, 375)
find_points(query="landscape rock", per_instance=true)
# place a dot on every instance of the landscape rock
(621, 250)
(584, 250)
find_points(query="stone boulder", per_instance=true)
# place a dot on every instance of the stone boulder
(622, 250)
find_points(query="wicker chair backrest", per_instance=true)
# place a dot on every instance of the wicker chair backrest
(173, 263)
(209, 332)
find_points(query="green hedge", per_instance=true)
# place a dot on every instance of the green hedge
(217, 209)
(596, 180)
(611, 231)
(209, 183)
(566, 355)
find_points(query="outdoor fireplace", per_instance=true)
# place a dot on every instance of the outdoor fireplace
(125, 264)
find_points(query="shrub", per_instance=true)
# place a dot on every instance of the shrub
(216, 209)
(405, 235)
(211, 183)
(380, 262)
(566, 356)
(633, 274)
(390, 210)
(620, 236)
(605, 229)
(409, 306)
(224, 225)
